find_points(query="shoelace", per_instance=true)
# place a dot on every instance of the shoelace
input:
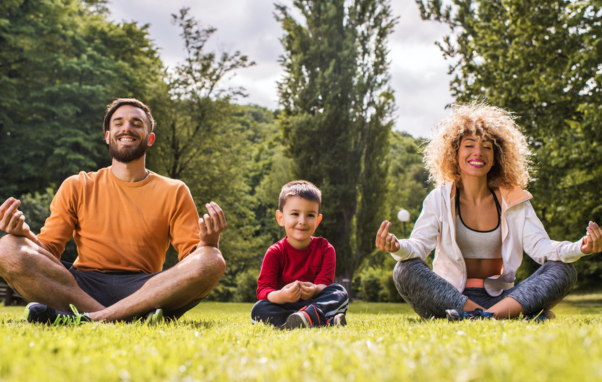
(69, 320)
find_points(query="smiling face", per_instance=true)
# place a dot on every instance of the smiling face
(475, 156)
(300, 218)
(129, 134)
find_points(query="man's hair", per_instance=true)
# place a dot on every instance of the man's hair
(301, 188)
(119, 102)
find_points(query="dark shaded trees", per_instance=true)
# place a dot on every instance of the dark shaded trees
(61, 62)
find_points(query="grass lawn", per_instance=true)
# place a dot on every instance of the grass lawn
(216, 342)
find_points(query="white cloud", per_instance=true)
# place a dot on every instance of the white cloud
(418, 70)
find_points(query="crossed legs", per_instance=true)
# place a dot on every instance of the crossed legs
(38, 276)
(430, 295)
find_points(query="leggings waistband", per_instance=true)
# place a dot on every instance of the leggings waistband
(477, 283)
(474, 283)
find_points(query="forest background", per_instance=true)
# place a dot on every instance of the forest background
(63, 61)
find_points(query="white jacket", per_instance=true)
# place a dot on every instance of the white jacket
(521, 230)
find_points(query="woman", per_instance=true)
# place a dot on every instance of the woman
(480, 220)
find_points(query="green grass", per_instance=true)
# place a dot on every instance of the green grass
(216, 342)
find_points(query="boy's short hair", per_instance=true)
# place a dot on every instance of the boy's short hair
(301, 188)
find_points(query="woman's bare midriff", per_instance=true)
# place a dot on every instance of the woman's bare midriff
(483, 268)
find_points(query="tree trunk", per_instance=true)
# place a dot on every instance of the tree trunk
(345, 278)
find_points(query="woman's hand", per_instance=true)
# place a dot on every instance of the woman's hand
(592, 242)
(386, 241)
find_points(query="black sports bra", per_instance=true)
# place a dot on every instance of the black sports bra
(497, 205)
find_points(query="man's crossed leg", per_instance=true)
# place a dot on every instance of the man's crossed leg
(39, 276)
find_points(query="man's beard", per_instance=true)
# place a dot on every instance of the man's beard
(126, 154)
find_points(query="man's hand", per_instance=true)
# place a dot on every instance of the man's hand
(308, 290)
(212, 225)
(12, 221)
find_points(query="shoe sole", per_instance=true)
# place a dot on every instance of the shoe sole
(296, 321)
(340, 321)
(452, 315)
(155, 318)
(27, 311)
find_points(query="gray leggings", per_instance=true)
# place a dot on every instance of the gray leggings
(430, 295)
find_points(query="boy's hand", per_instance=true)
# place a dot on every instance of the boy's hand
(212, 225)
(12, 221)
(291, 292)
(307, 290)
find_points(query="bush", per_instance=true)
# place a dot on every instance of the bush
(36, 209)
(221, 293)
(371, 284)
(246, 286)
(389, 292)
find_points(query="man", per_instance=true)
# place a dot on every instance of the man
(122, 219)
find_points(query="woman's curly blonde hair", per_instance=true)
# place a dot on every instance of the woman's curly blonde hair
(511, 153)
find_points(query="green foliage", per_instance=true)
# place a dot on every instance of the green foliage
(540, 60)
(62, 61)
(36, 208)
(389, 292)
(246, 286)
(377, 282)
(268, 170)
(371, 285)
(336, 115)
(408, 187)
(408, 181)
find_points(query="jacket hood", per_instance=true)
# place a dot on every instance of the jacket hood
(511, 196)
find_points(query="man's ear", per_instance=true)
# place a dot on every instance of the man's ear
(319, 220)
(107, 137)
(151, 139)
(280, 218)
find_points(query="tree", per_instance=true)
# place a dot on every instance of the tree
(267, 173)
(204, 140)
(192, 106)
(408, 187)
(336, 115)
(61, 62)
(540, 60)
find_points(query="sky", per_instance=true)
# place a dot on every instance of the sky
(418, 70)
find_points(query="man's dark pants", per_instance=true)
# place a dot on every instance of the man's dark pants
(109, 288)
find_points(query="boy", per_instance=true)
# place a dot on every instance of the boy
(295, 287)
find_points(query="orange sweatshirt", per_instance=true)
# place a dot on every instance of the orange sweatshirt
(121, 226)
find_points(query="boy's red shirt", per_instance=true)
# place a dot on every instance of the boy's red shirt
(284, 264)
